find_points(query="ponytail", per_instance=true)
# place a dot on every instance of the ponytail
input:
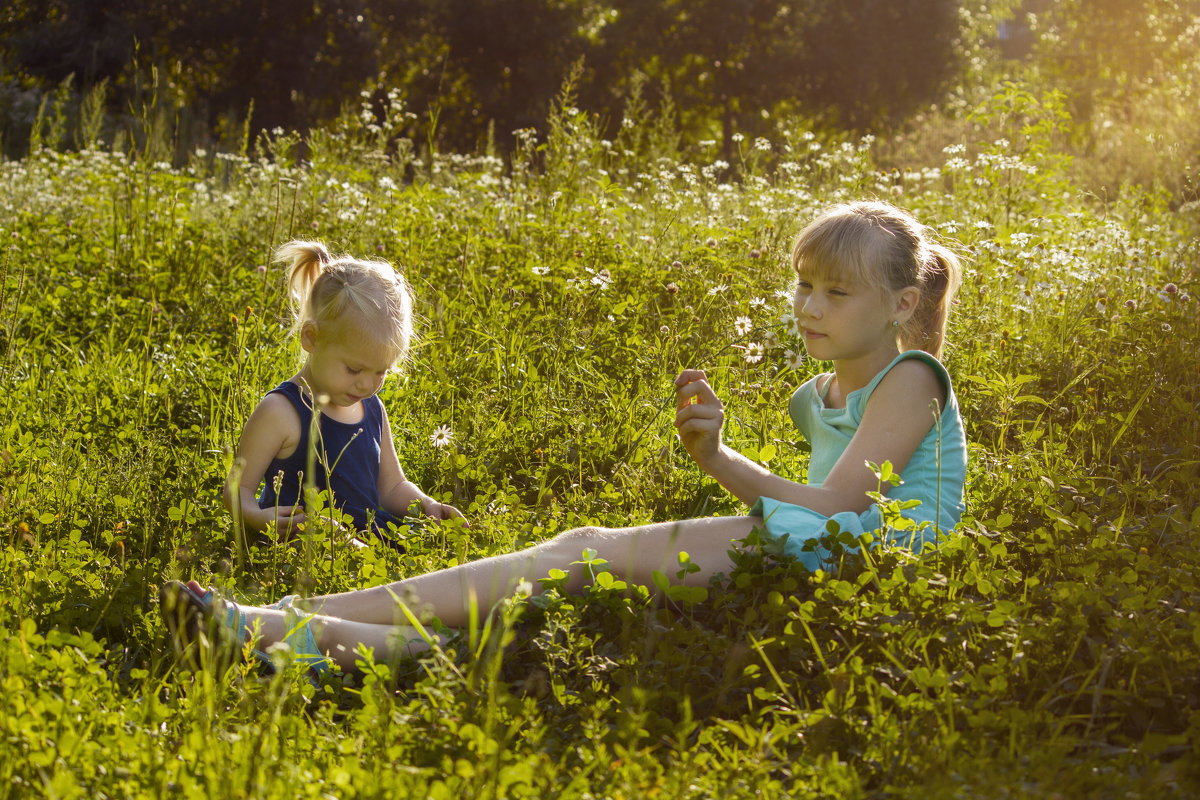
(308, 261)
(938, 278)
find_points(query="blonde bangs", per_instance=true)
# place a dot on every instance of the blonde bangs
(372, 337)
(839, 251)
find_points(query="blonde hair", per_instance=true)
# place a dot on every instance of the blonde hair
(880, 245)
(345, 297)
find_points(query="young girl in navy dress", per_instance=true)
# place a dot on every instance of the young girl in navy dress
(354, 320)
(872, 298)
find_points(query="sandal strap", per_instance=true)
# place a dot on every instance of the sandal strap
(284, 602)
(303, 644)
(233, 624)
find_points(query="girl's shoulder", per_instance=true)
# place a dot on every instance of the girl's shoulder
(914, 378)
(280, 408)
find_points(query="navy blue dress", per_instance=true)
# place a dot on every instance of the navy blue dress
(346, 463)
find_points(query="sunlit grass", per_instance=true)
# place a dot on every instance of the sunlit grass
(1047, 646)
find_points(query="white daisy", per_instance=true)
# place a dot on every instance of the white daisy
(742, 326)
(789, 323)
(442, 436)
(753, 353)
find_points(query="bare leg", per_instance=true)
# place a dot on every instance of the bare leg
(633, 554)
(337, 638)
(372, 617)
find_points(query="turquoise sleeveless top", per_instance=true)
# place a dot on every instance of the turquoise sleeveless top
(935, 475)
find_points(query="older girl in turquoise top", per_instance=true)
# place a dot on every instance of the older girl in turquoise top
(872, 298)
(354, 321)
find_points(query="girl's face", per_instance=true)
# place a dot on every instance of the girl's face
(347, 369)
(843, 319)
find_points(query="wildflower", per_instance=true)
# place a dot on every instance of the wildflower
(1166, 327)
(1168, 292)
(771, 339)
(1131, 305)
(1101, 305)
(603, 279)
(664, 330)
(758, 302)
(676, 264)
(793, 358)
(755, 254)
(711, 243)
(737, 137)
(262, 269)
(789, 323)
(742, 326)
(672, 288)
(720, 287)
(753, 353)
(543, 270)
(441, 436)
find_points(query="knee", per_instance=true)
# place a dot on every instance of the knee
(577, 539)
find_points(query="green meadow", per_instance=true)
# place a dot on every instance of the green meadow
(1047, 648)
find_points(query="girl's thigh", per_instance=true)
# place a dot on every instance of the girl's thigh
(635, 553)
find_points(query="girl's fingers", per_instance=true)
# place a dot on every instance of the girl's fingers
(699, 411)
(691, 428)
(689, 376)
(699, 391)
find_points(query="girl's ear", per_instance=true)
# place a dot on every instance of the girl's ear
(906, 304)
(308, 336)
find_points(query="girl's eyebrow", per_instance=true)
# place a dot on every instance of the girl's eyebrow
(352, 364)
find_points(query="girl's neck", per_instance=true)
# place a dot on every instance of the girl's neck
(852, 374)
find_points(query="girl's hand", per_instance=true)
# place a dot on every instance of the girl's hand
(699, 415)
(287, 520)
(439, 511)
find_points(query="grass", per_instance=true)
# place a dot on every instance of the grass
(1045, 649)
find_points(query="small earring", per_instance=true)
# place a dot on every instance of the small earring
(895, 323)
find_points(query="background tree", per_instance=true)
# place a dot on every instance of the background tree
(480, 68)
(474, 66)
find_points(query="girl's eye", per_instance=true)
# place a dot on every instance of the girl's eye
(353, 371)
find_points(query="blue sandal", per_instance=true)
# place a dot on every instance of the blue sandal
(194, 620)
(299, 638)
